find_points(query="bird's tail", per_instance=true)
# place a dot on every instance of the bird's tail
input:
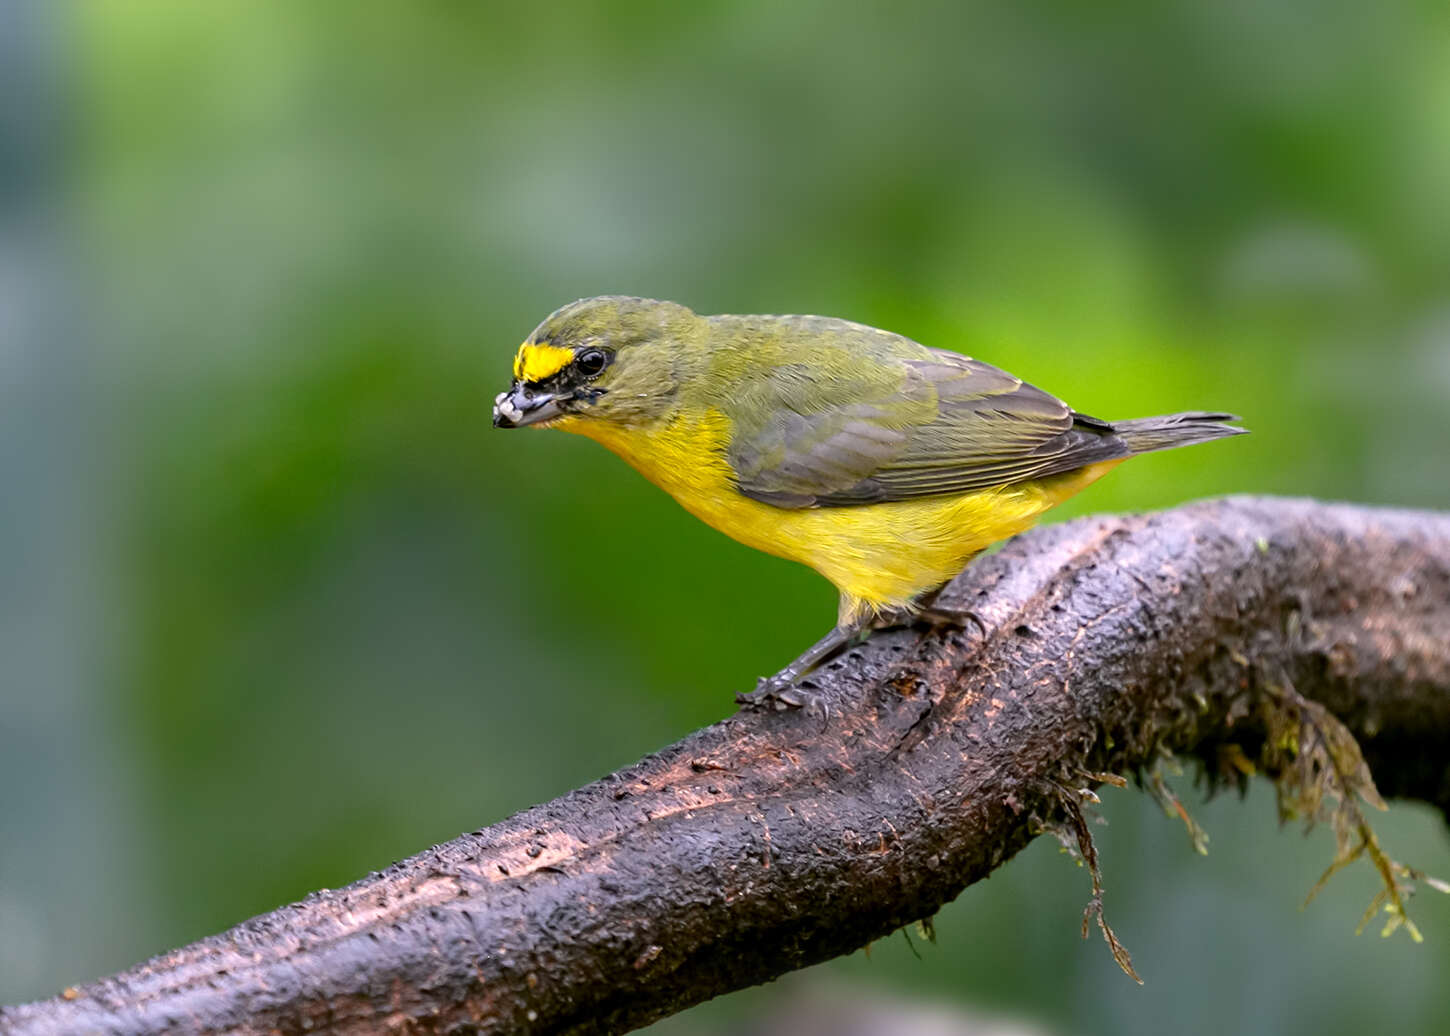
(1164, 433)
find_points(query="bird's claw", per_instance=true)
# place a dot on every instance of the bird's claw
(772, 692)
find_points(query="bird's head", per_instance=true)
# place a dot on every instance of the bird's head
(610, 358)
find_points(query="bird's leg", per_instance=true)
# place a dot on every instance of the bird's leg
(781, 691)
(857, 621)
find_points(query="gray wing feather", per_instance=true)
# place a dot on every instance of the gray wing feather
(951, 425)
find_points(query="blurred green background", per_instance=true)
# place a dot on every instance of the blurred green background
(279, 607)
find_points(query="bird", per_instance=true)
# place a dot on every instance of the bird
(884, 464)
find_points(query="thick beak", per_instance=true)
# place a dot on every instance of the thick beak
(522, 405)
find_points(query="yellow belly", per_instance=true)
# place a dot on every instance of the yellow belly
(878, 555)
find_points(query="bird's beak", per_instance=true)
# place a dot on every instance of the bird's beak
(522, 405)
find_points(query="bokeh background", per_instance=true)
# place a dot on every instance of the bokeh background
(279, 607)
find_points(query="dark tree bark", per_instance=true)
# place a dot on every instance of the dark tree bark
(771, 841)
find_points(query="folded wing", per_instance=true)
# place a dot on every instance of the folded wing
(900, 428)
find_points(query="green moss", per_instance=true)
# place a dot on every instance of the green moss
(1321, 778)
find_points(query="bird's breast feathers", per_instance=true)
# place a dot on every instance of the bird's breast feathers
(883, 554)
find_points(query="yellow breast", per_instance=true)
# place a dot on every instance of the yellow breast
(878, 555)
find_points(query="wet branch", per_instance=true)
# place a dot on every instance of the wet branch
(768, 842)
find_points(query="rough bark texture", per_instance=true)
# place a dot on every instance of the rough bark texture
(771, 841)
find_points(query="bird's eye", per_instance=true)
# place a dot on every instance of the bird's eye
(590, 362)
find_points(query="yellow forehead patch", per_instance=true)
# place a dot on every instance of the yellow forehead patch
(537, 362)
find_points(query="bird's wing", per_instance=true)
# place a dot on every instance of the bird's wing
(932, 424)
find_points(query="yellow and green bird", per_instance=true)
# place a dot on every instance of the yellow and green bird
(883, 464)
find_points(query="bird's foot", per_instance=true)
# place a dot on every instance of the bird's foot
(790, 688)
(933, 615)
(785, 691)
(954, 618)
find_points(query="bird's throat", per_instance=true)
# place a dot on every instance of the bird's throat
(683, 455)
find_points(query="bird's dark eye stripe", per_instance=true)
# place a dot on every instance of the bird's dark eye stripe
(590, 362)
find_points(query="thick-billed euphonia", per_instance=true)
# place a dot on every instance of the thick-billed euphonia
(883, 464)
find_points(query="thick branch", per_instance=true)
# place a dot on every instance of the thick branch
(771, 841)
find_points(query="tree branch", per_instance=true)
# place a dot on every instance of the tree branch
(771, 841)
